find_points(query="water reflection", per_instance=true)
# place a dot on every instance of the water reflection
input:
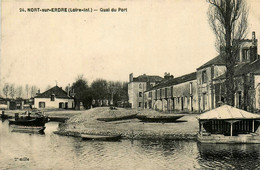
(165, 147)
(50, 151)
(235, 156)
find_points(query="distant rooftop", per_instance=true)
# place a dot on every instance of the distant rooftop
(242, 69)
(57, 91)
(147, 78)
(177, 80)
(219, 60)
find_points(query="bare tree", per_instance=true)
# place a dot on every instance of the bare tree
(6, 90)
(12, 90)
(27, 89)
(33, 91)
(228, 20)
(19, 91)
(112, 90)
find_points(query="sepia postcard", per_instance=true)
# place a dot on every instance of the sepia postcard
(130, 84)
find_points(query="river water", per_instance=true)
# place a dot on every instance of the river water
(51, 151)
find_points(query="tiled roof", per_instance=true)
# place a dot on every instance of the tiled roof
(57, 91)
(175, 81)
(146, 78)
(245, 68)
(253, 67)
(219, 60)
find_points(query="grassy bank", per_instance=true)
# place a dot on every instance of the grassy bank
(86, 123)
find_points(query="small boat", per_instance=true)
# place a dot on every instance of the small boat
(160, 119)
(35, 123)
(117, 118)
(28, 129)
(3, 116)
(101, 137)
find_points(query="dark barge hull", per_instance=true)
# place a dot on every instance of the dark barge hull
(117, 118)
(159, 119)
(38, 121)
(101, 137)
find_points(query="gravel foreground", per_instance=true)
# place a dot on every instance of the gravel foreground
(86, 123)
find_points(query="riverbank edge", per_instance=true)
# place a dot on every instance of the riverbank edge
(137, 136)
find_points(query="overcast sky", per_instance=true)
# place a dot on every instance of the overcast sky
(151, 37)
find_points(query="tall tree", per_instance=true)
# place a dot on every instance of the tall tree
(100, 89)
(27, 89)
(19, 91)
(12, 90)
(6, 90)
(228, 20)
(33, 91)
(111, 90)
(80, 88)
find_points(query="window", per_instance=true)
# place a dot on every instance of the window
(52, 97)
(140, 86)
(204, 76)
(191, 103)
(150, 94)
(41, 104)
(61, 105)
(204, 100)
(163, 93)
(245, 54)
(166, 93)
(190, 87)
(140, 94)
(140, 104)
(171, 91)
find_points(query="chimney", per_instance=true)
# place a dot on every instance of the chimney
(168, 76)
(39, 92)
(253, 35)
(68, 90)
(253, 38)
(221, 50)
(131, 77)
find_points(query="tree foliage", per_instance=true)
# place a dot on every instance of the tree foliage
(81, 90)
(228, 20)
(100, 90)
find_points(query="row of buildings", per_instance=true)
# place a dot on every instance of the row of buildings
(203, 89)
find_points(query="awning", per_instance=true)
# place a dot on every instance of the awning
(227, 112)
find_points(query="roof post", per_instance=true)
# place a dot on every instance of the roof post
(231, 129)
